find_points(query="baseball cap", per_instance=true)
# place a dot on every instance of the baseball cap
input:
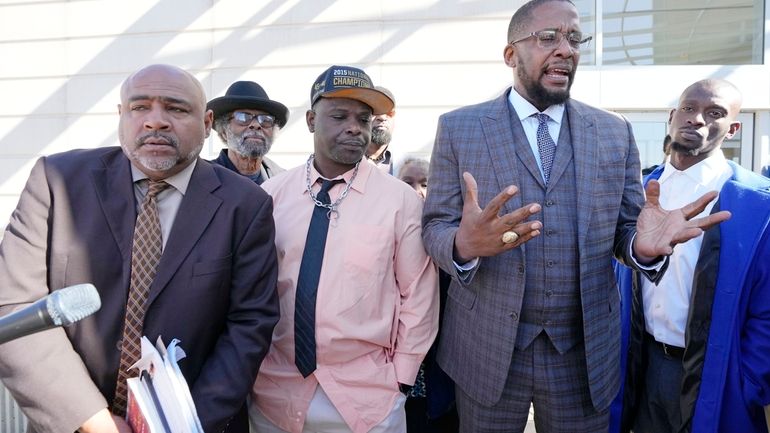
(351, 83)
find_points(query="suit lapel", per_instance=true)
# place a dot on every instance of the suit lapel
(524, 151)
(198, 202)
(505, 140)
(115, 192)
(584, 151)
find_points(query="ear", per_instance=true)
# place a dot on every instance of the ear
(509, 55)
(671, 115)
(734, 127)
(208, 121)
(310, 120)
(120, 109)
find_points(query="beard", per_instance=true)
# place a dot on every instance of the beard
(540, 95)
(678, 147)
(166, 162)
(249, 149)
(381, 136)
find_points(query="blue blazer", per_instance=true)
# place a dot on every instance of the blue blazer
(735, 378)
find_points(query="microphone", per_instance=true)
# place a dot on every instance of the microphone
(61, 308)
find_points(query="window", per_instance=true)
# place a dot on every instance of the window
(682, 32)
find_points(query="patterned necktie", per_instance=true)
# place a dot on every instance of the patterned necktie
(307, 283)
(145, 255)
(545, 145)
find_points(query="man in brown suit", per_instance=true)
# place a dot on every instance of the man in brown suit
(215, 283)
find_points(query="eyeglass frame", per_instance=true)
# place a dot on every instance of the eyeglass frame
(564, 35)
(261, 118)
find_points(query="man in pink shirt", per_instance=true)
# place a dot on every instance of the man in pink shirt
(358, 293)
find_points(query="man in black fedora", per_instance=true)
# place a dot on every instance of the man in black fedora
(248, 121)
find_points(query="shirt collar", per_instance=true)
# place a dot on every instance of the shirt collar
(179, 181)
(704, 172)
(364, 170)
(525, 109)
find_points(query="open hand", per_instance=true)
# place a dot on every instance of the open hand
(659, 230)
(481, 230)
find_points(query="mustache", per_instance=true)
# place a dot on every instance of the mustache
(248, 134)
(169, 139)
(354, 142)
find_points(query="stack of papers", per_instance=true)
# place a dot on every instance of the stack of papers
(159, 400)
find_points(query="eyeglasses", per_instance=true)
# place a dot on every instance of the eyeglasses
(550, 38)
(244, 118)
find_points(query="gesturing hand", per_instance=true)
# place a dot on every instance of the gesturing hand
(481, 230)
(658, 230)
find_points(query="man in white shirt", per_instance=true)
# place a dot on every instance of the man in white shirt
(700, 335)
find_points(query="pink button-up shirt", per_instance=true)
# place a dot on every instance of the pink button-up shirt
(377, 302)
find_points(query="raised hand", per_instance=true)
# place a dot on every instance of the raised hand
(481, 230)
(659, 230)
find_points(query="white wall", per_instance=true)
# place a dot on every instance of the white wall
(62, 62)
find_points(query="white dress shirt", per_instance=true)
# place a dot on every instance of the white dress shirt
(667, 304)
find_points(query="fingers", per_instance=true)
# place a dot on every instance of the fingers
(695, 227)
(471, 190)
(492, 209)
(683, 236)
(709, 221)
(526, 232)
(699, 205)
(653, 193)
(520, 214)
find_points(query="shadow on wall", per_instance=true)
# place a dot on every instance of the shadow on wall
(304, 11)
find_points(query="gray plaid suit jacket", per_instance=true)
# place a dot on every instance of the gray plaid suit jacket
(483, 308)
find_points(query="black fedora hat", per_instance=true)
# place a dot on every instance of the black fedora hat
(248, 95)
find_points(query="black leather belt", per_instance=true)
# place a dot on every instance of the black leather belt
(669, 350)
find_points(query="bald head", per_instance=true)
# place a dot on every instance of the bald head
(168, 74)
(705, 116)
(163, 120)
(725, 90)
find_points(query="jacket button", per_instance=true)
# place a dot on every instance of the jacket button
(514, 315)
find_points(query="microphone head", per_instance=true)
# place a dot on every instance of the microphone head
(70, 304)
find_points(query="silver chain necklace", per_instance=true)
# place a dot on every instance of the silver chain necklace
(333, 212)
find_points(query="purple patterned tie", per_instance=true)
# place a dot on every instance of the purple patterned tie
(545, 145)
(145, 255)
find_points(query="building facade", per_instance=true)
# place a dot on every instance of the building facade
(63, 62)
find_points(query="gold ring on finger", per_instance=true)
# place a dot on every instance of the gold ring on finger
(510, 237)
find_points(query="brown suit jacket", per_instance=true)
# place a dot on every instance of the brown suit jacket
(215, 287)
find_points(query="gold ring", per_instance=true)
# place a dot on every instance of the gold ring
(510, 237)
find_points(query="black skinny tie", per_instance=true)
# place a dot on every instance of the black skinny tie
(307, 283)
